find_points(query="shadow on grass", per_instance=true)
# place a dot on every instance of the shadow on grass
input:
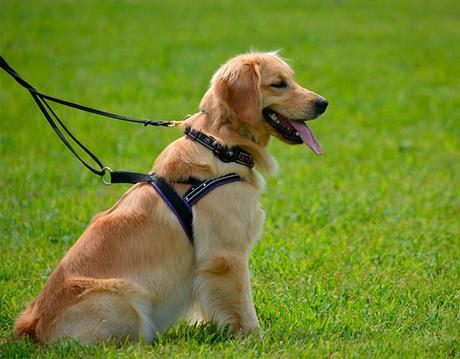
(199, 333)
(25, 348)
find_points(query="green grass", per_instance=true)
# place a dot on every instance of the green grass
(360, 251)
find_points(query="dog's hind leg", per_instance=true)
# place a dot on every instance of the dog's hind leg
(106, 309)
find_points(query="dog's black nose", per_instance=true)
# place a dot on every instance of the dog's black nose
(321, 105)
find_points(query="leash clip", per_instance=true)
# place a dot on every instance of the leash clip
(174, 123)
(107, 180)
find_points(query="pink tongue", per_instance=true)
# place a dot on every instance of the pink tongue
(307, 136)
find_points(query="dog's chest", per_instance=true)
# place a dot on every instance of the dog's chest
(229, 217)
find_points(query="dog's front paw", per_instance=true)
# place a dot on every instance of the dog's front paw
(248, 329)
(256, 332)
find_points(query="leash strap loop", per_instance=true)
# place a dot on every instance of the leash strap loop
(56, 124)
(40, 102)
(5, 66)
(224, 153)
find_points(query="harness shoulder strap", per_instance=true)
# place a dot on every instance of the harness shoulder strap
(197, 192)
(177, 205)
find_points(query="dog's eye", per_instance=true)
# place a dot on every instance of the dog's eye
(279, 84)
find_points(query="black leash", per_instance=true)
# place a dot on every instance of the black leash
(42, 102)
(223, 152)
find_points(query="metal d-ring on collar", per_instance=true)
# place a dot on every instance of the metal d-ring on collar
(224, 153)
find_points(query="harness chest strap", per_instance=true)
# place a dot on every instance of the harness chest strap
(182, 206)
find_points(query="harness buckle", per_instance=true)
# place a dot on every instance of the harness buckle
(175, 123)
(107, 180)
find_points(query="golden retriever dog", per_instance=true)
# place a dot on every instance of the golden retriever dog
(133, 273)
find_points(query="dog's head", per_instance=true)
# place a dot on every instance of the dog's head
(258, 91)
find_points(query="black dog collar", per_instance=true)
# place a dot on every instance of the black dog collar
(224, 153)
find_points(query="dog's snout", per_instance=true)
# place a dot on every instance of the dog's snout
(321, 105)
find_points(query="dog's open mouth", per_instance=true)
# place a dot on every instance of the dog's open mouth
(293, 131)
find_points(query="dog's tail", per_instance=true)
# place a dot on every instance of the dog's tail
(27, 322)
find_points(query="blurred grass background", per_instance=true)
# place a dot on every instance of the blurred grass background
(360, 251)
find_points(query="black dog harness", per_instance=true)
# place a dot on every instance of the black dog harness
(181, 206)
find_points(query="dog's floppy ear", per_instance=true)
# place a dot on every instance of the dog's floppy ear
(238, 86)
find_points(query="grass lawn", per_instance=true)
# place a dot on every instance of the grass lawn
(360, 255)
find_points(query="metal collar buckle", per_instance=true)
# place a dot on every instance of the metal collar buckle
(228, 154)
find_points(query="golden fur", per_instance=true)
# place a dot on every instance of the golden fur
(133, 272)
